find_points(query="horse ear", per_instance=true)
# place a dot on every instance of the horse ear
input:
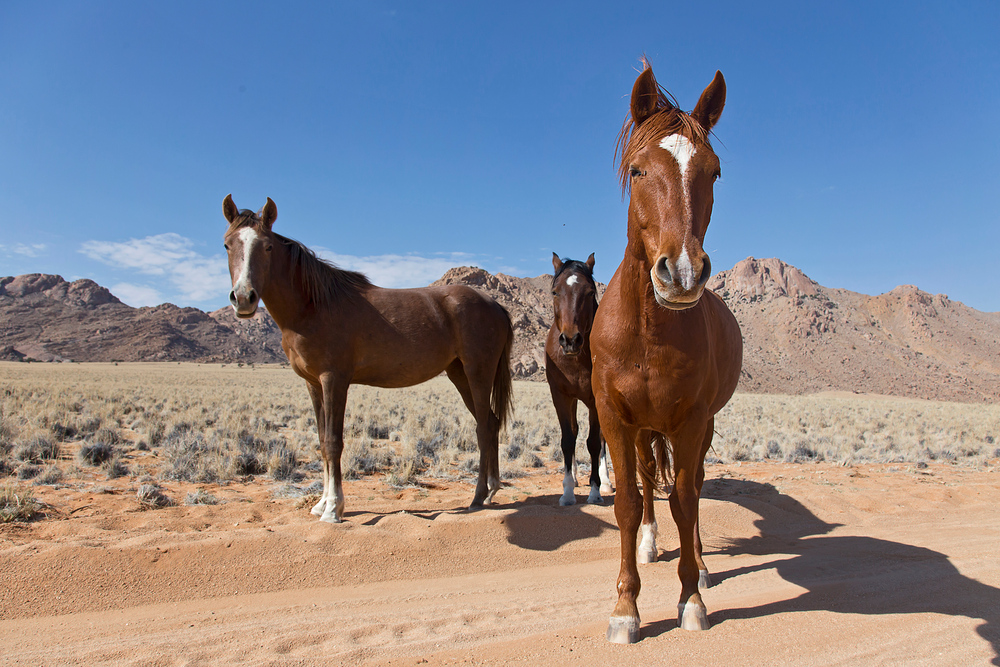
(645, 96)
(556, 262)
(711, 103)
(229, 209)
(269, 214)
(590, 262)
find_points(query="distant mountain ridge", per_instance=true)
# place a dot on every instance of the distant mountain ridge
(799, 336)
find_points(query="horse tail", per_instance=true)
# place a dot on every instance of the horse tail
(502, 400)
(662, 454)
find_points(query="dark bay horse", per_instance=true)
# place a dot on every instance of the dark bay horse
(667, 352)
(568, 367)
(338, 329)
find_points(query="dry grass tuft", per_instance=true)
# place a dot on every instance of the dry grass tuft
(17, 503)
(152, 497)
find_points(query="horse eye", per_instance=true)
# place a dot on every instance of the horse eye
(267, 248)
(635, 172)
(717, 175)
(226, 246)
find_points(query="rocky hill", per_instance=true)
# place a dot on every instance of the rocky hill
(45, 318)
(799, 337)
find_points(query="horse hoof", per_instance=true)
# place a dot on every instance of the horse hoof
(691, 616)
(645, 556)
(331, 518)
(704, 580)
(623, 630)
(595, 497)
(566, 501)
(606, 490)
(319, 508)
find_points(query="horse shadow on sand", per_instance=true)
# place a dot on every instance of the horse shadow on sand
(846, 574)
(537, 523)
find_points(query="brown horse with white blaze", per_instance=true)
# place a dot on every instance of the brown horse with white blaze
(568, 367)
(338, 329)
(667, 352)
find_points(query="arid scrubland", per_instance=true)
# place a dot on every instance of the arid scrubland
(211, 424)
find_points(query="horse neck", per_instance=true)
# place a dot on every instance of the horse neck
(634, 278)
(283, 298)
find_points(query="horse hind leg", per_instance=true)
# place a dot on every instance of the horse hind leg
(647, 551)
(603, 470)
(487, 433)
(704, 578)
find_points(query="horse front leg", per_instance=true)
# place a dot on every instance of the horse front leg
(595, 445)
(623, 626)
(566, 413)
(334, 393)
(691, 611)
(316, 394)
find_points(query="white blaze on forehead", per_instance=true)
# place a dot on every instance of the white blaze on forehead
(572, 280)
(681, 148)
(248, 236)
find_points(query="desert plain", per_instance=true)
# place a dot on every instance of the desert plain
(161, 517)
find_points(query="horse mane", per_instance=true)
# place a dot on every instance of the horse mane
(666, 120)
(322, 281)
(576, 265)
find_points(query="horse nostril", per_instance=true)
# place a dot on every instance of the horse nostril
(706, 272)
(563, 340)
(663, 271)
(232, 297)
(252, 296)
(578, 341)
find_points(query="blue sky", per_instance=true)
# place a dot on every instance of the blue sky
(860, 141)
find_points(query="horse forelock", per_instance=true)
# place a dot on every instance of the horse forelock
(668, 119)
(578, 266)
(246, 218)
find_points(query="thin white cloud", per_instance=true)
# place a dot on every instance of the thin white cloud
(399, 270)
(137, 295)
(32, 250)
(192, 277)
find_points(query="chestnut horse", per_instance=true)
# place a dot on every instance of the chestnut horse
(568, 367)
(338, 329)
(667, 352)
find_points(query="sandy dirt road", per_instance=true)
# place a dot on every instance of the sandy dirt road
(813, 564)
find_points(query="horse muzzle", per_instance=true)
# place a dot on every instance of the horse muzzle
(245, 305)
(676, 285)
(571, 345)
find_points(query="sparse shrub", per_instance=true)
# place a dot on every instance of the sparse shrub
(27, 471)
(152, 497)
(402, 474)
(95, 453)
(281, 462)
(40, 447)
(109, 436)
(63, 432)
(200, 497)
(116, 467)
(191, 458)
(18, 503)
(51, 475)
